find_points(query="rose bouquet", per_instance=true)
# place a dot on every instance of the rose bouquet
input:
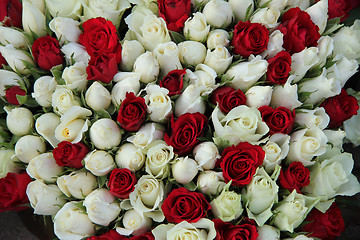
(179, 119)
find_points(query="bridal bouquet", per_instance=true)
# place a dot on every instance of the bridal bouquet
(142, 119)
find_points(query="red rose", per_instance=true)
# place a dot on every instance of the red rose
(144, 236)
(102, 68)
(279, 120)
(185, 131)
(245, 230)
(249, 38)
(13, 191)
(175, 13)
(295, 176)
(11, 13)
(69, 154)
(110, 235)
(121, 182)
(325, 226)
(132, 112)
(100, 38)
(279, 68)
(227, 98)
(11, 94)
(340, 108)
(173, 81)
(46, 52)
(339, 8)
(299, 31)
(2, 61)
(184, 205)
(239, 163)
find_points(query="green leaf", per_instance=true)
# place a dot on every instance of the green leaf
(248, 12)
(190, 186)
(102, 114)
(102, 181)
(80, 206)
(304, 95)
(332, 25)
(177, 37)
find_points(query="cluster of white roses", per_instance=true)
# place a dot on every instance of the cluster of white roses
(73, 108)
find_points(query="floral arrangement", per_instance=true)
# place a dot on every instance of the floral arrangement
(179, 119)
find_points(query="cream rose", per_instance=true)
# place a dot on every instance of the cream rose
(302, 61)
(97, 97)
(167, 55)
(45, 125)
(44, 167)
(240, 7)
(28, 147)
(63, 99)
(158, 157)
(210, 182)
(125, 82)
(190, 101)
(77, 184)
(105, 134)
(192, 52)
(266, 16)
(66, 29)
(218, 59)
(76, 52)
(130, 51)
(276, 149)
(75, 76)
(16, 58)
(7, 162)
(13, 36)
(147, 134)
(342, 70)
(218, 13)
(347, 42)
(8, 78)
(274, 45)
(33, 18)
(71, 9)
(19, 120)
(158, 103)
(184, 169)
(148, 67)
(204, 78)
(44, 88)
(268, 232)
(258, 96)
(196, 28)
(313, 118)
(206, 154)
(129, 156)
(99, 162)
(134, 223)
(217, 37)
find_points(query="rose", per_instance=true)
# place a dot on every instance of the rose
(227, 98)
(17, 58)
(279, 120)
(132, 112)
(7, 162)
(75, 52)
(13, 36)
(147, 134)
(63, 99)
(342, 70)
(131, 50)
(2, 61)
(336, 137)
(240, 8)
(206, 154)
(274, 45)
(184, 169)
(19, 121)
(340, 108)
(192, 52)
(299, 31)
(10, 13)
(77, 184)
(148, 66)
(45, 125)
(279, 68)
(318, 14)
(70, 155)
(125, 82)
(167, 55)
(239, 163)
(219, 59)
(12, 93)
(249, 38)
(339, 9)
(105, 134)
(218, 13)
(134, 223)
(266, 16)
(227, 206)
(303, 61)
(28, 147)
(121, 182)
(174, 13)
(97, 97)
(217, 37)
(109, 235)
(246, 230)
(129, 156)
(44, 87)
(276, 149)
(285, 96)
(258, 96)
(295, 177)
(196, 28)
(102, 68)
(184, 205)
(12, 191)
(191, 101)
(313, 118)
(185, 131)
(173, 81)
(158, 103)
(210, 182)
(33, 17)
(268, 232)
(203, 78)
(158, 157)
(99, 162)
(75, 76)
(328, 225)
(46, 52)
(70, 9)
(66, 29)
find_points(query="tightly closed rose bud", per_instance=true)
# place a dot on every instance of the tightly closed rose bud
(75, 51)
(196, 28)
(121, 182)
(240, 8)
(184, 169)
(46, 52)
(129, 156)
(147, 65)
(44, 87)
(173, 81)
(105, 134)
(44, 167)
(131, 50)
(16, 58)
(12, 93)
(125, 82)
(97, 97)
(102, 68)
(19, 121)
(192, 52)
(99, 162)
(77, 184)
(13, 36)
(69, 9)
(70, 155)
(218, 13)
(135, 224)
(33, 17)
(66, 29)
(28, 147)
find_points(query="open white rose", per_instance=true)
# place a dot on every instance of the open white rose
(240, 7)
(192, 52)
(72, 223)
(242, 123)
(206, 154)
(75, 76)
(8, 78)
(28, 147)
(63, 99)
(342, 70)
(125, 82)
(45, 199)
(7, 162)
(217, 37)
(302, 61)
(218, 59)
(184, 169)
(268, 232)
(147, 134)
(158, 103)
(266, 16)
(16, 58)
(313, 118)
(129, 156)
(99, 162)
(44, 167)
(147, 65)
(274, 45)
(276, 149)
(66, 29)
(190, 101)
(347, 41)
(210, 182)
(285, 96)
(258, 96)
(97, 97)
(77, 184)
(75, 51)
(70, 9)
(44, 88)
(45, 125)
(218, 13)
(134, 223)
(196, 28)
(130, 51)
(167, 55)
(33, 18)
(19, 120)
(159, 155)
(13, 36)
(105, 134)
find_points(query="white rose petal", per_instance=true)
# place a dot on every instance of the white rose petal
(129, 156)
(105, 134)
(184, 169)
(218, 13)
(99, 162)
(44, 88)
(77, 184)
(28, 147)
(44, 167)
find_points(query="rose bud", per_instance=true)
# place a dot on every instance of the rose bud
(12, 93)
(206, 155)
(131, 50)
(218, 13)
(28, 147)
(11, 13)
(13, 36)
(105, 134)
(147, 134)
(302, 61)
(174, 13)
(192, 53)
(63, 99)
(274, 46)
(258, 96)
(318, 14)
(44, 88)
(346, 41)
(76, 52)
(45, 125)
(46, 52)
(167, 55)
(217, 37)
(266, 16)
(190, 101)
(219, 59)
(210, 182)
(240, 8)
(285, 96)
(129, 156)
(184, 170)
(75, 76)
(125, 82)
(97, 97)
(227, 205)
(66, 29)
(77, 184)
(16, 58)
(33, 18)
(99, 162)
(7, 162)
(173, 81)
(158, 103)
(69, 9)
(196, 28)
(44, 167)
(147, 65)
(268, 232)
(70, 155)
(19, 121)
(134, 223)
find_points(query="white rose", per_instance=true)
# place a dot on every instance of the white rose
(72, 223)
(158, 103)
(75, 76)
(105, 134)
(101, 207)
(75, 51)
(16, 58)
(240, 7)
(306, 144)
(204, 78)
(45, 125)
(299, 237)
(276, 149)
(241, 124)
(219, 59)
(292, 211)
(266, 16)
(302, 4)
(147, 134)
(196, 28)
(77, 184)
(268, 232)
(7, 162)
(302, 61)
(206, 154)
(190, 101)
(134, 223)
(276, 40)
(71, 9)
(44, 167)
(347, 41)
(326, 47)
(63, 99)
(184, 169)
(149, 4)
(45, 199)
(129, 156)
(149, 29)
(66, 29)
(28, 147)
(342, 70)
(245, 74)
(217, 37)
(167, 55)
(33, 19)
(285, 96)
(313, 118)
(147, 65)
(73, 124)
(203, 229)
(13, 36)
(192, 52)
(99, 162)
(336, 137)
(218, 13)
(352, 129)
(97, 97)
(108, 9)
(227, 206)
(44, 88)
(159, 154)
(210, 182)
(318, 13)
(258, 96)
(276, 4)
(8, 78)
(260, 194)
(125, 82)
(130, 51)
(19, 120)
